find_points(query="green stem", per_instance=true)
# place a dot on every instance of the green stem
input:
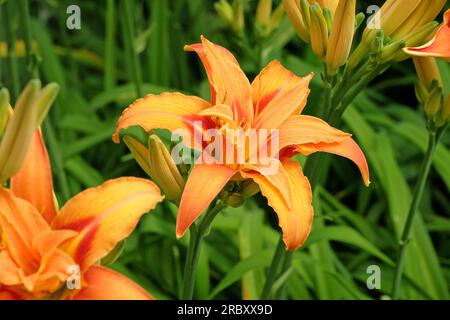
(417, 197)
(195, 244)
(31, 59)
(273, 269)
(13, 72)
(129, 34)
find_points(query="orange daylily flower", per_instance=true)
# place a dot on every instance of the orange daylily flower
(439, 46)
(274, 100)
(39, 245)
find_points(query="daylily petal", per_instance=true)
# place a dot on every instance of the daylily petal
(274, 80)
(9, 272)
(203, 185)
(439, 46)
(279, 179)
(105, 215)
(168, 110)
(300, 129)
(347, 148)
(278, 94)
(34, 180)
(20, 223)
(229, 84)
(295, 222)
(100, 283)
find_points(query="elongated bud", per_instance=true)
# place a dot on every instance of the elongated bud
(428, 71)
(434, 102)
(292, 9)
(392, 51)
(264, 12)
(275, 19)
(425, 12)
(19, 131)
(238, 16)
(328, 4)
(421, 35)
(225, 11)
(44, 101)
(319, 31)
(305, 12)
(5, 110)
(139, 152)
(342, 34)
(164, 170)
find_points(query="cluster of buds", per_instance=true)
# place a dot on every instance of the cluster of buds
(328, 25)
(18, 125)
(430, 92)
(398, 24)
(267, 19)
(159, 165)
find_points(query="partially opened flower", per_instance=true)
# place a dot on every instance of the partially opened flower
(42, 250)
(271, 103)
(439, 46)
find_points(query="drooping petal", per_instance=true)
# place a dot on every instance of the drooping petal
(301, 129)
(272, 81)
(295, 222)
(100, 283)
(203, 185)
(229, 84)
(9, 294)
(347, 148)
(169, 111)
(105, 215)
(276, 174)
(439, 46)
(277, 94)
(20, 223)
(34, 180)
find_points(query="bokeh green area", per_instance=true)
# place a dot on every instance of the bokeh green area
(126, 49)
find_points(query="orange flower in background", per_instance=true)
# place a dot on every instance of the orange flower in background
(274, 100)
(439, 46)
(41, 248)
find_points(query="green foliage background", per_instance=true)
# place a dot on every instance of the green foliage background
(355, 227)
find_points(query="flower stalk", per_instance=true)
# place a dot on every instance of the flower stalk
(433, 139)
(198, 232)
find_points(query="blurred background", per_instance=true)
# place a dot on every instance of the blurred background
(126, 49)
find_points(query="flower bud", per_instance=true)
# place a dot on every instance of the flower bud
(341, 38)
(164, 170)
(319, 31)
(264, 12)
(428, 71)
(44, 101)
(5, 110)
(19, 131)
(238, 16)
(434, 102)
(292, 9)
(225, 11)
(249, 188)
